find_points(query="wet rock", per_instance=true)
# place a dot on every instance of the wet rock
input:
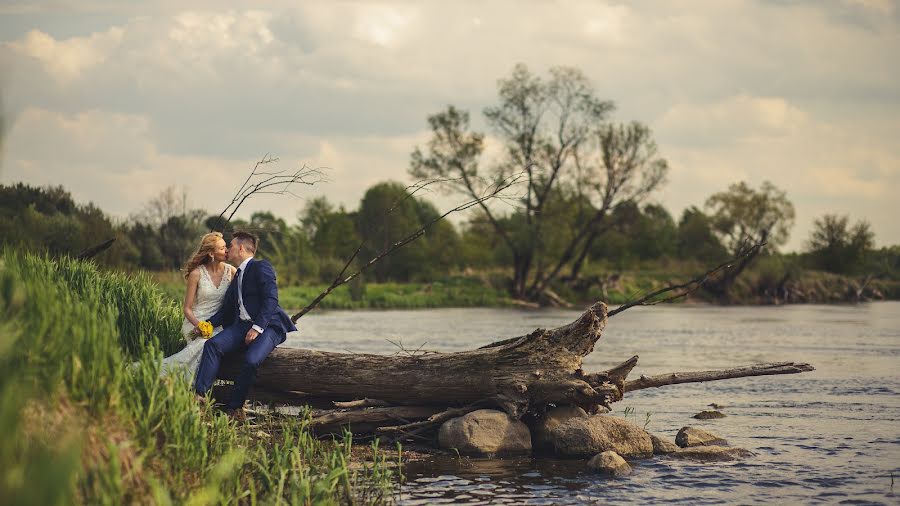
(485, 432)
(689, 436)
(541, 430)
(711, 453)
(709, 415)
(610, 463)
(589, 435)
(661, 446)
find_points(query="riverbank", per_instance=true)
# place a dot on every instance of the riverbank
(756, 287)
(87, 419)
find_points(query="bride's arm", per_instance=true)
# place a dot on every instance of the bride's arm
(190, 295)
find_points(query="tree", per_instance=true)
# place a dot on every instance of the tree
(389, 213)
(696, 238)
(742, 217)
(837, 247)
(554, 133)
(47, 219)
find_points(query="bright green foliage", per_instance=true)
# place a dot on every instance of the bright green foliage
(71, 332)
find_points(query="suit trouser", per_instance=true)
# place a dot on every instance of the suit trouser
(229, 340)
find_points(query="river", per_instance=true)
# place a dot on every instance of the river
(832, 435)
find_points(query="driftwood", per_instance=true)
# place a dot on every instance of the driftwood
(522, 376)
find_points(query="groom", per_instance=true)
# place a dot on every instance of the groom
(252, 320)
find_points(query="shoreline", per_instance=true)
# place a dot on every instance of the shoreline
(475, 292)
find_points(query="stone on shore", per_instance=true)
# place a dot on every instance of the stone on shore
(661, 446)
(610, 462)
(711, 453)
(485, 432)
(586, 436)
(540, 431)
(709, 415)
(689, 436)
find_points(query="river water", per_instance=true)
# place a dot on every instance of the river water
(832, 435)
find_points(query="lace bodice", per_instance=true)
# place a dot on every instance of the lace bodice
(209, 297)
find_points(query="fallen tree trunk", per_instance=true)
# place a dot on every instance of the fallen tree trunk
(520, 376)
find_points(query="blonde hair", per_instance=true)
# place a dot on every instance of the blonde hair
(201, 256)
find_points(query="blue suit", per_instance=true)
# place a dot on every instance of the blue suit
(260, 295)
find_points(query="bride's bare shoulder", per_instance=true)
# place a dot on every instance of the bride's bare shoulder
(194, 275)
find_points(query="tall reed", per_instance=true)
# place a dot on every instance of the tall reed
(80, 350)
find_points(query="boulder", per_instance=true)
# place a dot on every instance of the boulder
(661, 446)
(711, 453)
(709, 415)
(485, 432)
(586, 436)
(540, 431)
(609, 463)
(689, 436)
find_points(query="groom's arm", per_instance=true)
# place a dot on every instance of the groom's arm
(269, 296)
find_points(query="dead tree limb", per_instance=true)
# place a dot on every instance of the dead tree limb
(687, 287)
(95, 250)
(676, 378)
(278, 183)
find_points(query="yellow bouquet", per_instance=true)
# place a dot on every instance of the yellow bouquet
(206, 329)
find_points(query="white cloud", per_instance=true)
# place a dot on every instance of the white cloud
(68, 60)
(797, 93)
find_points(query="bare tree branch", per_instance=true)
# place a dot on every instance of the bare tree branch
(675, 378)
(95, 250)
(687, 287)
(260, 182)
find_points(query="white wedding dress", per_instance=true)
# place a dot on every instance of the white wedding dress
(207, 301)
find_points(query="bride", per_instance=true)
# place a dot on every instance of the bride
(208, 277)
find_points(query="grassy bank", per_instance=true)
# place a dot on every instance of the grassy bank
(759, 285)
(87, 419)
(450, 292)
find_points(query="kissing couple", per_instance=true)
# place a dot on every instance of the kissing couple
(237, 306)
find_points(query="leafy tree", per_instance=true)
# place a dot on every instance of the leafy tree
(835, 246)
(696, 238)
(742, 217)
(47, 219)
(553, 132)
(386, 215)
(332, 236)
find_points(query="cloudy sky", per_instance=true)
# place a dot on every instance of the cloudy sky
(119, 100)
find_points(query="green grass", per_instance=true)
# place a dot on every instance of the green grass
(87, 418)
(450, 292)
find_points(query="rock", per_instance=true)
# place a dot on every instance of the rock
(541, 430)
(709, 415)
(485, 432)
(711, 453)
(689, 436)
(610, 463)
(716, 405)
(589, 435)
(661, 446)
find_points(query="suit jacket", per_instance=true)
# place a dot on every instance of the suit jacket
(260, 295)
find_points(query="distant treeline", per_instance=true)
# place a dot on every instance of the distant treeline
(582, 212)
(315, 245)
